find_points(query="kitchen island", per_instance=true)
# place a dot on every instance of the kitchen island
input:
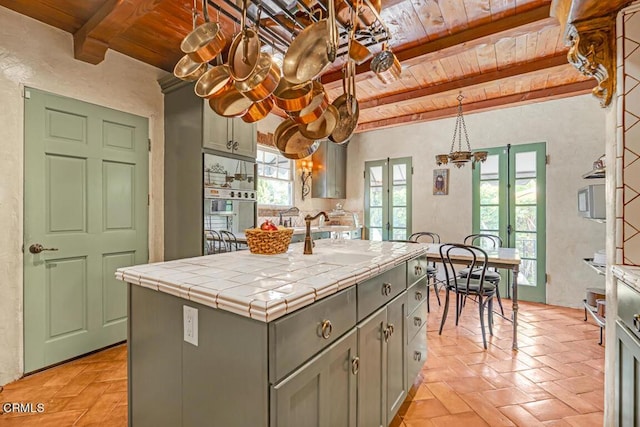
(284, 340)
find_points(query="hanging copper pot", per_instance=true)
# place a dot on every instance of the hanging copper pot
(386, 66)
(213, 81)
(291, 143)
(263, 81)
(293, 98)
(347, 106)
(322, 127)
(206, 41)
(316, 107)
(228, 102)
(258, 110)
(244, 52)
(189, 70)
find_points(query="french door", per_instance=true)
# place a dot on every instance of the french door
(387, 199)
(509, 199)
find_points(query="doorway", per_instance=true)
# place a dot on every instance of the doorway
(509, 199)
(85, 215)
(387, 213)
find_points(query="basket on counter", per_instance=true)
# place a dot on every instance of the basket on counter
(268, 242)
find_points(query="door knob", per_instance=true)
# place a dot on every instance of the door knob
(36, 248)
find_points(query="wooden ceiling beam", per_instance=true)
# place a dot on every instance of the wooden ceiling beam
(522, 23)
(573, 89)
(90, 43)
(511, 71)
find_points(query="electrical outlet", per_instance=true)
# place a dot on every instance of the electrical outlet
(190, 323)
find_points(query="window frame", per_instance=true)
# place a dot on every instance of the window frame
(261, 176)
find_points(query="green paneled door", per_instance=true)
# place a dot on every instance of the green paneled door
(86, 186)
(509, 199)
(388, 199)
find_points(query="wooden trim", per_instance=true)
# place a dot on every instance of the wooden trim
(511, 26)
(558, 92)
(90, 43)
(511, 71)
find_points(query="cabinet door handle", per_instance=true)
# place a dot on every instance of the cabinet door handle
(418, 296)
(417, 321)
(386, 289)
(327, 328)
(417, 356)
(355, 365)
(636, 322)
(230, 145)
(418, 270)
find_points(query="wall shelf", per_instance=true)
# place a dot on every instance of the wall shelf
(600, 321)
(595, 173)
(600, 269)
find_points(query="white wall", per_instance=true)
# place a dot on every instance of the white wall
(36, 55)
(574, 129)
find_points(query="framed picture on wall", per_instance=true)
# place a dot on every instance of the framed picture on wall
(440, 182)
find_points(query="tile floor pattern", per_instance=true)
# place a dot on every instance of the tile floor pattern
(556, 379)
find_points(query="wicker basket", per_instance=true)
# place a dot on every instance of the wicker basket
(268, 242)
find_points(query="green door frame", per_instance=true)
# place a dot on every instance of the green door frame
(387, 166)
(507, 221)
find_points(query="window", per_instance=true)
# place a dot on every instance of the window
(275, 178)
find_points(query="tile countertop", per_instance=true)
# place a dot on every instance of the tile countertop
(629, 274)
(266, 287)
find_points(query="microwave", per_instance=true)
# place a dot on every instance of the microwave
(591, 202)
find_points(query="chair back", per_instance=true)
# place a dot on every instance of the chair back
(487, 241)
(229, 240)
(425, 236)
(477, 262)
(212, 239)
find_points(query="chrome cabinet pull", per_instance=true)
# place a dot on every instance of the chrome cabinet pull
(355, 365)
(417, 321)
(418, 296)
(327, 328)
(417, 356)
(36, 248)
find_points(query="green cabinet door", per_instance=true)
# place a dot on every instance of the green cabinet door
(627, 378)
(321, 393)
(371, 377)
(396, 356)
(246, 135)
(85, 202)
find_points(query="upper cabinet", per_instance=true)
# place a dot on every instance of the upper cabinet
(232, 136)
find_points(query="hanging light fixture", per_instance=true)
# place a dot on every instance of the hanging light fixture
(460, 157)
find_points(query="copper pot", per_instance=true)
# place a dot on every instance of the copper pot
(212, 82)
(206, 41)
(293, 98)
(263, 81)
(347, 106)
(316, 107)
(312, 50)
(291, 143)
(258, 110)
(322, 127)
(244, 52)
(228, 102)
(189, 70)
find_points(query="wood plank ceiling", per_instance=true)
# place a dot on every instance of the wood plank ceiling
(497, 52)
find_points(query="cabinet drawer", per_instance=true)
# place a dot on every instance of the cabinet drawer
(417, 294)
(416, 269)
(379, 290)
(298, 336)
(416, 355)
(416, 320)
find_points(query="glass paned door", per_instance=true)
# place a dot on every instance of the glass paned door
(509, 200)
(388, 199)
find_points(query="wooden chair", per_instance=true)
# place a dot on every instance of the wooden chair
(468, 286)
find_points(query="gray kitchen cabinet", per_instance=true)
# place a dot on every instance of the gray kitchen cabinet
(321, 393)
(627, 377)
(329, 171)
(416, 323)
(228, 136)
(382, 380)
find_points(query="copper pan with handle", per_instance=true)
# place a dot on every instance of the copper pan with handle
(206, 41)
(244, 52)
(316, 107)
(291, 143)
(262, 81)
(229, 102)
(258, 110)
(347, 106)
(213, 81)
(291, 97)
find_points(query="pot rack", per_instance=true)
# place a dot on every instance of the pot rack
(368, 35)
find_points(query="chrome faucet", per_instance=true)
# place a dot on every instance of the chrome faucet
(308, 244)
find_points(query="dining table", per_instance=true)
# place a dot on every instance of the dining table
(507, 258)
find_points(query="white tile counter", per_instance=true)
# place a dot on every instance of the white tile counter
(266, 287)
(628, 274)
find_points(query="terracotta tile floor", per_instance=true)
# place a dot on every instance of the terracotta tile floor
(556, 379)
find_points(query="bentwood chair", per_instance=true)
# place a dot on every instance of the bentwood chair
(432, 270)
(487, 241)
(229, 241)
(463, 287)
